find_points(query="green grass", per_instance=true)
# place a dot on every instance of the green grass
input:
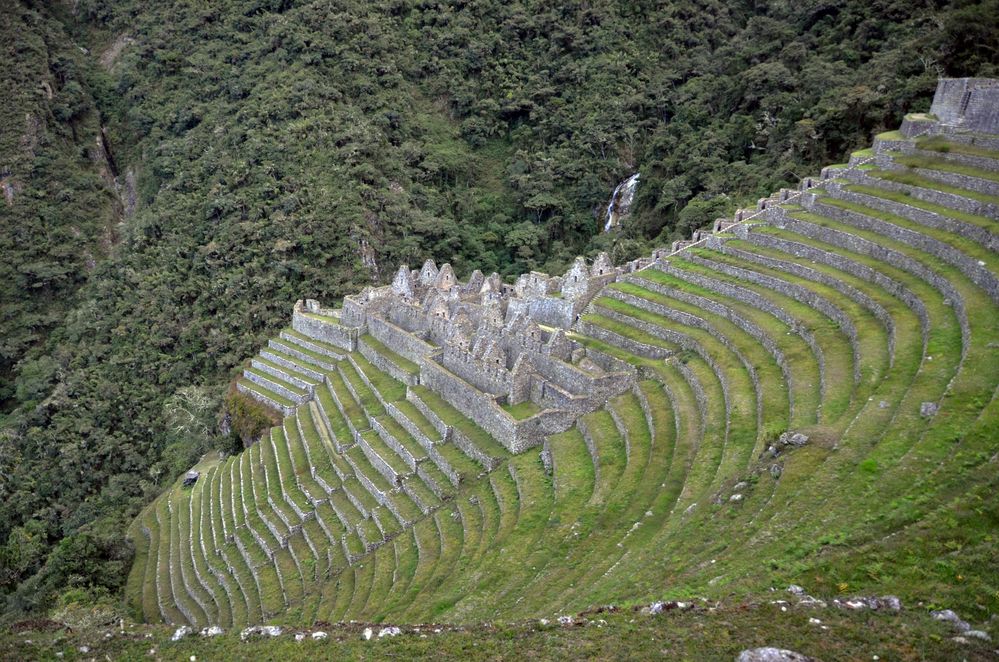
(522, 410)
(913, 179)
(454, 418)
(286, 347)
(947, 212)
(409, 410)
(297, 390)
(943, 165)
(333, 349)
(267, 393)
(715, 631)
(400, 361)
(387, 386)
(881, 500)
(890, 135)
(941, 144)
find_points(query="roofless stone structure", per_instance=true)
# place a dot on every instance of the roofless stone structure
(484, 346)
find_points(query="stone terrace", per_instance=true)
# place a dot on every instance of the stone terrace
(815, 376)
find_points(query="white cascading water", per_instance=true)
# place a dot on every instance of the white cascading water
(620, 202)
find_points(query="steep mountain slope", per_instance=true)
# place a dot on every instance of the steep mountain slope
(815, 392)
(279, 149)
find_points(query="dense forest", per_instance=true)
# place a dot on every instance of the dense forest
(176, 174)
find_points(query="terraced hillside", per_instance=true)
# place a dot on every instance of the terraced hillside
(813, 401)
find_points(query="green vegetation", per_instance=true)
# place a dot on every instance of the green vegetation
(944, 145)
(174, 176)
(522, 410)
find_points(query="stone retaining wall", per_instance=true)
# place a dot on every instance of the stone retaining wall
(751, 298)
(863, 246)
(930, 219)
(843, 263)
(820, 277)
(798, 293)
(958, 202)
(967, 265)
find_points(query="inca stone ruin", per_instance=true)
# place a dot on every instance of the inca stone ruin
(441, 434)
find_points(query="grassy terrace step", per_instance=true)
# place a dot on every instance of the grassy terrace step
(384, 452)
(344, 508)
(277, 352)
(180, 566)
(942, 145)
(400, 361)
(267, 393)
(451, 416)
(268, 482)
(641, 500)
(223, 556)
(140, 587)
(301, 457)
(388, 388)
(975, 220)
(801, 360)
(637, 503)
(775, 404)
(522, 410)
(297, 390)
(316, 448)
(321, 348)
(466, 467)
(943, 165)
(409, 410)
(872, 343)
(330, 412)
(912, 179)
(368, 479)
(906, 324)
(595, 526)
(970, 248)
(351, 410)
(837, 355)
(293, 373)
(411, 446)
(172, 610)
(290, 486)
(626, 331)
(981, 316)
(745, 432)
(944, 346)
(418, 490)
(204, 587)
(429, 470)
(301, 354)
(362, 392)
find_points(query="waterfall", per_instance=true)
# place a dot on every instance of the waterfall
(620, 202)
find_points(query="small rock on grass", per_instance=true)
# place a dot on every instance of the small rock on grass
(769, 654)
(181, 632)
(949, 616)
